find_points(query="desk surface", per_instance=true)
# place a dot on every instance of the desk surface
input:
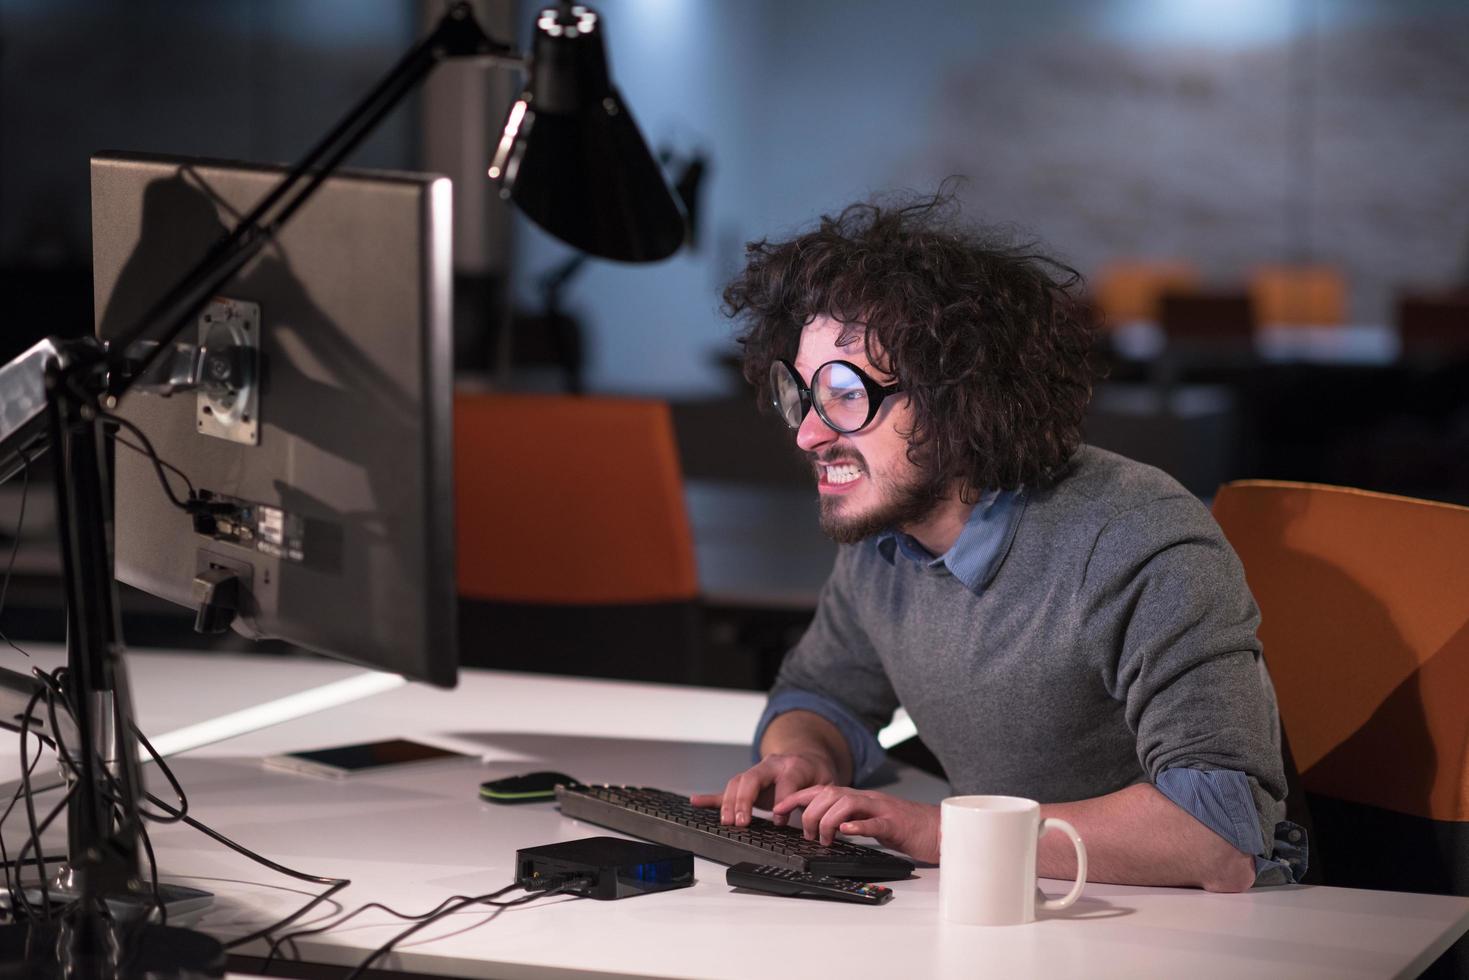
(412, 839)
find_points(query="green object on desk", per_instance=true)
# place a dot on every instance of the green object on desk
(532, 787)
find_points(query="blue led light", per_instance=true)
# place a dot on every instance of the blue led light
(657, 872)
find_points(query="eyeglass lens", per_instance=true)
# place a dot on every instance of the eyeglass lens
(842, 397)
(786, 388)
(837, 391)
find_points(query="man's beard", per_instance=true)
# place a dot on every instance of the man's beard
(901, 505)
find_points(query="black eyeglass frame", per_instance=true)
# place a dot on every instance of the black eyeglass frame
(876, 395)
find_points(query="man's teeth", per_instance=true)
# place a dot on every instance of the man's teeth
(845, 473)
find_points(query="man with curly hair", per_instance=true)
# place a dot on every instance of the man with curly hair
(1060, 623)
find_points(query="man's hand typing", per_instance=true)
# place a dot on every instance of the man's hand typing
(798, 749)
(772, 778)
(903, 825)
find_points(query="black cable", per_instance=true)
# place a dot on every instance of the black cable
(54, 690)
(388, 946)
(25, 489)
(11, 883)
(20, 857)
(337, 886)
(30, 806)
(19, 901)
(5, 861)
(152, 454)
(57, 691)
(58, 858)
(115, 796)
(180, 814)
(160, 460)
(243, 850)
(291, 937)
(137, 820)
(177, 816)
(158, 904)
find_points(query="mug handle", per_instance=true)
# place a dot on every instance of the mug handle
(1053, 904)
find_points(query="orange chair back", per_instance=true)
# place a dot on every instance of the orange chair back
(1128, 290)
(1364, 599)
(1299, 295)
(575, 500)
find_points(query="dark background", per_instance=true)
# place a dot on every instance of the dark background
(1227, 134)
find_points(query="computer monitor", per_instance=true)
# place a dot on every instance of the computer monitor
(335, 475)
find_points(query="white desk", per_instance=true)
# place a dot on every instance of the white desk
(412, 839)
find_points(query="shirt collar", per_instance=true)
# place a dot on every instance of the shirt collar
(976, 556)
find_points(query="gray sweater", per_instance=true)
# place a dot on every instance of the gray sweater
(1114, 640)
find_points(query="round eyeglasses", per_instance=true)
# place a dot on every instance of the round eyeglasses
(843, 395)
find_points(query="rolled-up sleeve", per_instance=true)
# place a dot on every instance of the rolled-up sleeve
(867, 753)
(1170, 594)
(1223, 800)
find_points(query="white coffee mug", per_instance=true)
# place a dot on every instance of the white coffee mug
(987, 860)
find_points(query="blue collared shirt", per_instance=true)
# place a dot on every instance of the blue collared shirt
(1219, 798)
(981, 547)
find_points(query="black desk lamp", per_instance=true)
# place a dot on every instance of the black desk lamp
(571, 157)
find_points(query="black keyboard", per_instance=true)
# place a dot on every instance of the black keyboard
(667, 818)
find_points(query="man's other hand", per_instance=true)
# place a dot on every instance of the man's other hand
(772, 778)
(903, 825)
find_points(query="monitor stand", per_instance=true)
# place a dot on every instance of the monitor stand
(103, 815)
(180, 902)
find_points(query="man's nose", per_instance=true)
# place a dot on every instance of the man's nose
(814, 434)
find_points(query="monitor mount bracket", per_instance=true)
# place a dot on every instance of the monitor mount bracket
(221, 365)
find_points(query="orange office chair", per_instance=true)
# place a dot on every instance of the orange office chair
(574, 548)
(1299, 295)
(1364, 599)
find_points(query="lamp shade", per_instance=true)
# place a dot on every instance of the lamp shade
(571, 157)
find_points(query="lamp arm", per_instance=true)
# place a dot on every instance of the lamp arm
(457, 35)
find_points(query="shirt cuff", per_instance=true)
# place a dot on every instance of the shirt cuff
(1221, 800)
(867, 754)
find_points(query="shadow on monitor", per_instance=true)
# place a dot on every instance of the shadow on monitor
(330, 457)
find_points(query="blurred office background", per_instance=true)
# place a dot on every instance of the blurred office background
(1266, 196)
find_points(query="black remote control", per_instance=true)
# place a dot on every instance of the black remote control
(788, 881)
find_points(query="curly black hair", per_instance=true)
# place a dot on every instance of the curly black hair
(991, 340)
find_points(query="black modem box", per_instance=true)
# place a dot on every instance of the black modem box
(604, 867)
